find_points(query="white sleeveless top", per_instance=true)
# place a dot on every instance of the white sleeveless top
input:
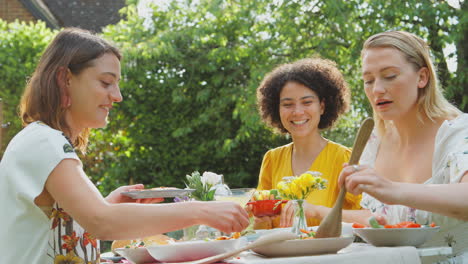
(450, 163)
(30, 234)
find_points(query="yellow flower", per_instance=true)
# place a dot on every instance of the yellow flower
(287, 191)
(70, 258)
(281, 185)
(298, 188)
(306, 180)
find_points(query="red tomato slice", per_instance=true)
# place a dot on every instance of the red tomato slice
(357, 225)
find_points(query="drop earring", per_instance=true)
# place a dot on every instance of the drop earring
(66, 101)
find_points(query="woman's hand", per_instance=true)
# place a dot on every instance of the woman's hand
(287, 214)
(116, 196)
(360, 178)
(380, 219)
(310, 210)
(227, 217)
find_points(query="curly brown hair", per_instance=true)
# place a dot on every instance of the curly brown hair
(320, 75)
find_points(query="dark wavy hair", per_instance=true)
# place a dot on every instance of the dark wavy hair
(320, 75)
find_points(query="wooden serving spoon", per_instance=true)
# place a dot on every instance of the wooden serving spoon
(273, 237)
(331, 223)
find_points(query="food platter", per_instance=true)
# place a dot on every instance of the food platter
(304, 247)
(193, 250)
(158, 193)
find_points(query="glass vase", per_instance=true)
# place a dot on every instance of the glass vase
(300, 220)
(200, 232)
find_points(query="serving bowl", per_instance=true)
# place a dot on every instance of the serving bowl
(266, 207)
(392, 237)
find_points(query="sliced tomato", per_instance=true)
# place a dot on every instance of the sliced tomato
(357, 225)
(412, 225)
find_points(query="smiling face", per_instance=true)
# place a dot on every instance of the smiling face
(300, 109)
(391, 82)
(92, 93)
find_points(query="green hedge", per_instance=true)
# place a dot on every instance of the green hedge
(21, 45)
(189, 79)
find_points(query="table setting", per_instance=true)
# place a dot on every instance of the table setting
(331, 242)
(394, 244)
(287, 249)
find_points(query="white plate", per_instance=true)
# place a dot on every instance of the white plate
(304, 247)
(346, 229)
(111, 256)
(193, 250)
(136, 255)
(159, 193)
(389, 237)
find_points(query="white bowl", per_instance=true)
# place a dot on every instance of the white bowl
(390, 237)
(136, 255)
(193, 250)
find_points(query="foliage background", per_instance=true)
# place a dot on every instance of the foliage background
(190, 74)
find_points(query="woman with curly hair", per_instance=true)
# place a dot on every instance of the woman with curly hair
(302, 99)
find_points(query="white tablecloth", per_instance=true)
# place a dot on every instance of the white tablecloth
(361, 253)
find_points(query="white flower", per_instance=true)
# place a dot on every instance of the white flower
(211, 178)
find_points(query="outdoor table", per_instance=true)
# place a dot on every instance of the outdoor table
(361, 253)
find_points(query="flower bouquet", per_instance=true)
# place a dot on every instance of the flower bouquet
(205, 187)
(297, 189)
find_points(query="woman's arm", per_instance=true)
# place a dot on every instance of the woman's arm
(77, 195)
(446, 199)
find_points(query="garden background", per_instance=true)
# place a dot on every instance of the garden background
(190, 71)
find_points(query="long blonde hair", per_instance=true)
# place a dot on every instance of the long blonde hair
(73, 49)
(431, 101)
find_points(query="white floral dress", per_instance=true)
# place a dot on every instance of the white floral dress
(450, 163)
(32, 234)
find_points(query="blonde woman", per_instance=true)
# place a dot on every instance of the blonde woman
(415, 166)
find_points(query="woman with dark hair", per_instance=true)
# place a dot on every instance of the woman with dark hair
(46, 197)
(302, 99)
